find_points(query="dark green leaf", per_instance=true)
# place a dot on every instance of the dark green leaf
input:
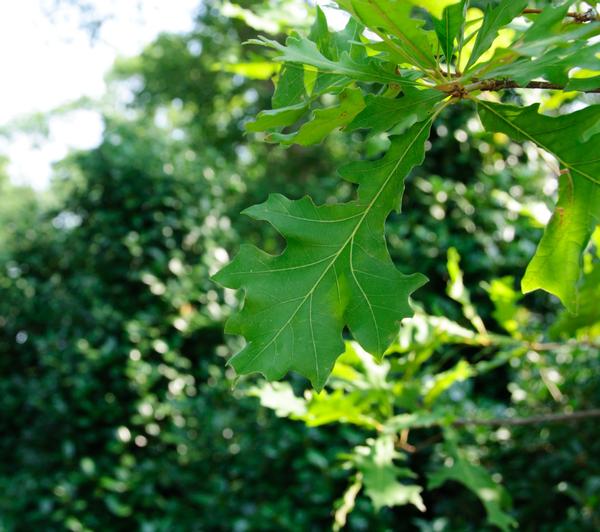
(274, 118)
(334, 272)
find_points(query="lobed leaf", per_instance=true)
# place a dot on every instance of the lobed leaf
(334, 272)
(324, 121)
(381, 476)
(382, 113)
(303, 51)
(493, 496)
(393, 18)
(556, 266)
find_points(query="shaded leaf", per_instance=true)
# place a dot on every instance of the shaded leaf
(492, 495)
(381, 476)
(275, 118)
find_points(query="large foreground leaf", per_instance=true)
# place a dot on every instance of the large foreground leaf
(556, 266)
(334, 272)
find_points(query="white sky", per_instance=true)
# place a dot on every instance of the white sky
(46, 62)
(49, 61)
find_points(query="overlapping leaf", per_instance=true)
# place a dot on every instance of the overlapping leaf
(303, 51)
(334, 272)
(324, 121)
(409, 41)
(556, 266)
(494, 19)
(549, 49)
(382, 113)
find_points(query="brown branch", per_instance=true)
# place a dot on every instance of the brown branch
(500, 84)
(533, 420)
(589, 16)
(553, 346)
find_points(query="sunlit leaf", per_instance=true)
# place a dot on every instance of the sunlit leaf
(393, 18)
(305, 52)
(494, 19)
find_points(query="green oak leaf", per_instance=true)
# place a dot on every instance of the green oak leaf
(381, 476)
(324, 121)
(557, 58)
(556, 266)
(493, 496)
(548, 49)
(333, 45)
(545, 24)
(448, 27)
(382, 113)
(334, 272)
(289, 89)
(303, 51)
(494, 19)
(275, 118)
(409, 40)
(589, 310)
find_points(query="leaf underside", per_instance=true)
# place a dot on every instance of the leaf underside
(556, 266)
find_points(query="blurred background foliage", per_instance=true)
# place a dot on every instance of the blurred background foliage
(118, 411)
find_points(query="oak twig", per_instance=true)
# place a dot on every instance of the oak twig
(457, 90)
(494, 85)
(588, 16)
(532, 420)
